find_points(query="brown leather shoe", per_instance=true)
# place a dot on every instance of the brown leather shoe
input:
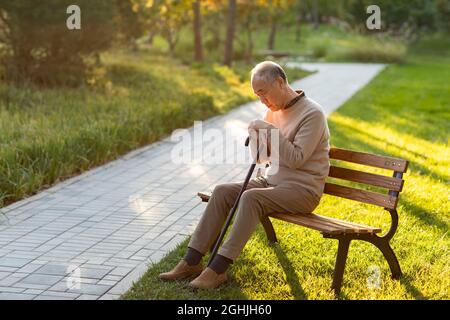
(209, 279)
(181, 271)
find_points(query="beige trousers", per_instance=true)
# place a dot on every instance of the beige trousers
(259, 199)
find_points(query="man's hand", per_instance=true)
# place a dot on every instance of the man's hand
(260, 124)
(260, 140)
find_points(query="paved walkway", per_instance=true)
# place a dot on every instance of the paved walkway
(91, 236)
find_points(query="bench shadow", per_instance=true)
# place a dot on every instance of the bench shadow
(424, 215)
(291, 277)
(416, 293)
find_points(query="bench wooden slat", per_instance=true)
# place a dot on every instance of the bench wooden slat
(373, 160)
(390, 183)
(385, 201)
(355, 226)
(325, 224)
(303, 220)
(341, 227)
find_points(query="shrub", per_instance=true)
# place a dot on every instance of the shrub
(39, 46)
(372, 50)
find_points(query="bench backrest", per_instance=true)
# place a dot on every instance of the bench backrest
(393, 184)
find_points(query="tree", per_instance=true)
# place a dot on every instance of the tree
(129, 22)
(197, 31)
(298, 21)
(148, 13)
(213, 27)
(315, 13)
(251, 15)
(399, 16)
(167, 17)
(38, 45)
(275, 8)
(231, 17)
(248, 13)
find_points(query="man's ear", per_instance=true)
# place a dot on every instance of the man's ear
(280, 82)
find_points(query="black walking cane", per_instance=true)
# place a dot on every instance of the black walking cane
(233, 210)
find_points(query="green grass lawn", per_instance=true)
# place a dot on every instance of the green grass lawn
(47, 135)
(404, 113)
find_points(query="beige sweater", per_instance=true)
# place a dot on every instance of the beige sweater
(303, 146)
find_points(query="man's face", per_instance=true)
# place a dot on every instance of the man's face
(269, 94)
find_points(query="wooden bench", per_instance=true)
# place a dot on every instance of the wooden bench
(346, 231)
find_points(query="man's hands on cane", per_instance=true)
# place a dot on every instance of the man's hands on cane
(258, 124)
(259, 132)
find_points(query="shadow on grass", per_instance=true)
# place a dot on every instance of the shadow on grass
(288, 268)
(424, 216)
(409, 287)
(291, 276)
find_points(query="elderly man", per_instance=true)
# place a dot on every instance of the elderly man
(295, 186)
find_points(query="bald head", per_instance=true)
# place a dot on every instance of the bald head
(270, 84)
(268, 71)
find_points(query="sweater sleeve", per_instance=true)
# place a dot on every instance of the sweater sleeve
(308, 136)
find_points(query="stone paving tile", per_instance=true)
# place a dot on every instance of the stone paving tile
(12, 279)
(94, 273)
(11, 290)
(113, 277)
(33, 291)
(58, 269)
(24, 286)
(41, 279)
(16, 296)
(110, 297)
(47, 297)
(115, 220)
(4, 274)
(88, 297)
(62, 285)
(120, 271)
(95, 289)
(13, 262)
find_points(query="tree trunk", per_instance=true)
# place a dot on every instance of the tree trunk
(228, 55)
(273, 30)
(171, 39)
(315, 13)
(298, 24)
(249, 47)
(150, 38)
(197, 32)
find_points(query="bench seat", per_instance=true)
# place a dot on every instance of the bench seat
(325, 225)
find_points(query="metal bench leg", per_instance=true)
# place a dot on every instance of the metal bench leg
(391, 259)
(268, 227)
(340, 264)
